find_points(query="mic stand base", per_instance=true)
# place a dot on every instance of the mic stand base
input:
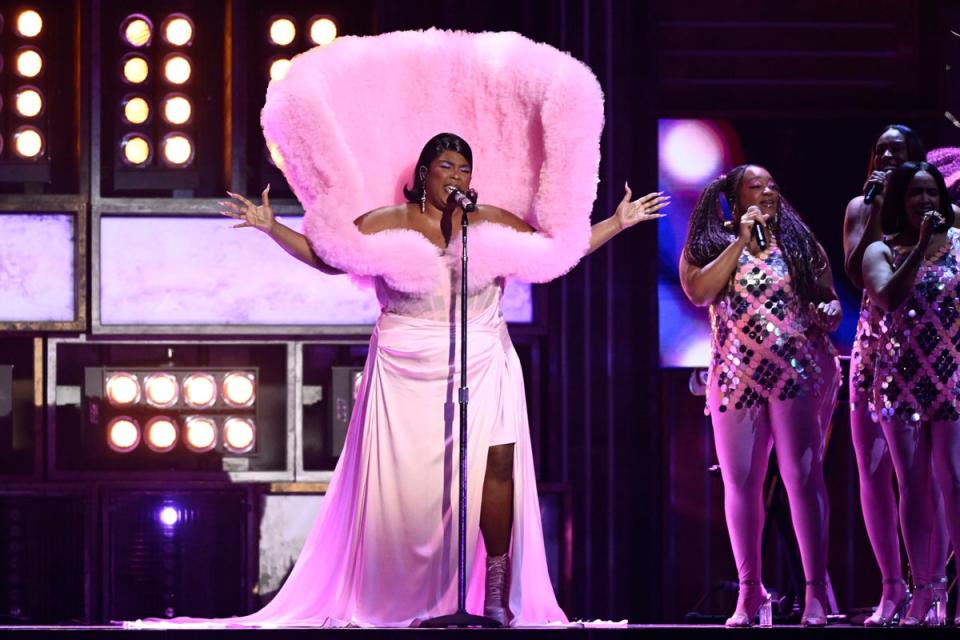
(460, 620)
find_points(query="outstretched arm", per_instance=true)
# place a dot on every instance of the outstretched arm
(261, 217)
(626, 215)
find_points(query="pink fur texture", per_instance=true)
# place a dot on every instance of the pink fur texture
(349, 120)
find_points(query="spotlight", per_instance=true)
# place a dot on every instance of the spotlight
(169, 516)
(177, 149)
(177, 69)
(178, 30)
(323, 30)
(161, 434)
(279, 68)
(200, 433)
(199, 390)
(122, 388)
(29, 24)
(28, 143)
(28, 102)
(282, 31)
(238, 389)
(239, 434)
(136, 109)
(123, 434)
(136, 150)
(177, 109)
(28, 62)
(137, 30)
(161, 390)
(136, 69)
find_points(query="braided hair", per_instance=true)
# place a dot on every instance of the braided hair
(708, 234)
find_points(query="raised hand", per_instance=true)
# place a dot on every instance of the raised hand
(878, 178)
(750, 217)
(640, 210)
(252, 215)
(931, 220)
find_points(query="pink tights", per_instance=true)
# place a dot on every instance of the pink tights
(744, 438)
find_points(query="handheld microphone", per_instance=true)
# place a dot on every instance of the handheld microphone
(759, 235)
(463, 200)
(872, 190)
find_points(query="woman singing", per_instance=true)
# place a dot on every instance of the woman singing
(914, 278)
(774, 373)
(383, 550)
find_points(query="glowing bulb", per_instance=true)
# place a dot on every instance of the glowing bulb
(177, 69)
(137, 30)
(169, 516)
(123, 434)
(28, 102)
(199, 390)
(28, 142)
(161, 389)
(29, 63)
(177, 109)
(177, 149)
(135, 69)
(136, 150)
(122, 389)
(238, 389)
(323, 31)
(178, 30)
(279, 68)
(282, 31)
(136, 110)
(161, 434)
(29, 24)
(201, 433)
(238, 434)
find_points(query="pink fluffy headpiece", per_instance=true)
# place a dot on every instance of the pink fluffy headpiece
(349, 120)
(947, 160)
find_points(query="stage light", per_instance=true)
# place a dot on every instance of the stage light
(323, 30)
(28, 62)
(29, 24)
(137, 30)
(122, 389)
(282, 31)
(177, 69)
(279, 68)
(28, 143)
(200, 433)
(28, 102)
(169, 516)
(178, 30)
(136, 109)
(691, 151)
(199, 390)
(161, 390)
(161, 434)
(239, 434)
(238, 389)
(123, 434)
(177, 109)
(177, 149)
(136, 69)
(136, 150)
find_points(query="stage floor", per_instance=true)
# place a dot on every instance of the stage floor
(628, 632)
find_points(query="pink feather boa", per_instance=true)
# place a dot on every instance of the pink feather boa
(349, 120)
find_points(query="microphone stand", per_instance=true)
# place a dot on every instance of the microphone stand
(461, 618)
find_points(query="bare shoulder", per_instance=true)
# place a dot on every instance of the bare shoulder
(856, 212)
(392, 217)
(489, 213)
(878, 250)
(956, 216)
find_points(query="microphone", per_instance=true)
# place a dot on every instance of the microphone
(463, 200)
(872, 190)
(759, 235)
